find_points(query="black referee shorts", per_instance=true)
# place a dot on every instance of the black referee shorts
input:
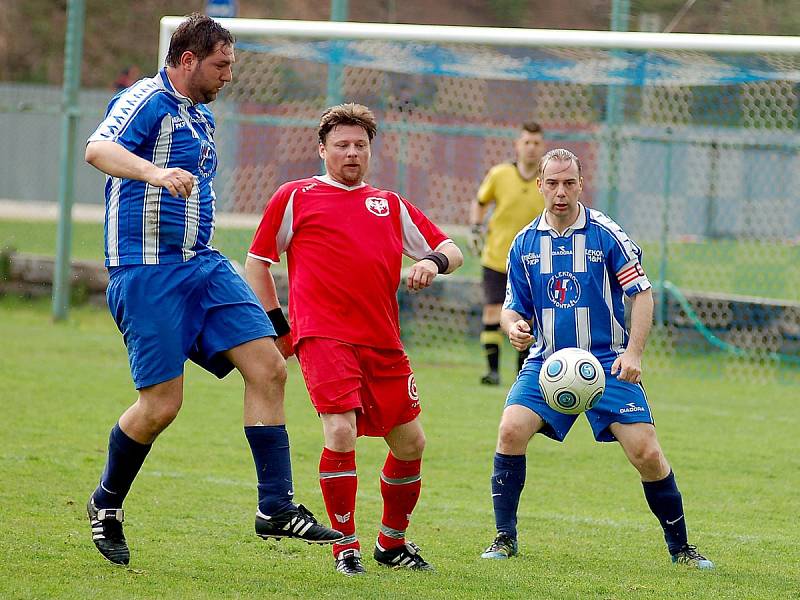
(494, 286)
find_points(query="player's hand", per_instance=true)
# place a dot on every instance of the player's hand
(477, 236)
(421, 274)
(629, 367)
(285, 345)
(177, 182)
(519, 334)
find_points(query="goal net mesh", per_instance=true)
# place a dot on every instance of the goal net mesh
(695, 154)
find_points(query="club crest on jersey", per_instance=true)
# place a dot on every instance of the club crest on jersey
(563, 289)
(208, 159)
(378, 206)
(412, 391)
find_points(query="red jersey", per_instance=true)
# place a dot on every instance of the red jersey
(345, 250)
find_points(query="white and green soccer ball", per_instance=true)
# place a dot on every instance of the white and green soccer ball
(572, 381)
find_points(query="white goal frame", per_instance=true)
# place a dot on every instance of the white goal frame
(499, 36)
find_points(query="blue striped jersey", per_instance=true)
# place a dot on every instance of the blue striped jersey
(145, 225)
(571, 286)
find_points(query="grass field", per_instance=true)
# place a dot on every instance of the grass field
(725, 266)
(585, 528)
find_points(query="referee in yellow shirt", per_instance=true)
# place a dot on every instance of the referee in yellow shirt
(511, 189)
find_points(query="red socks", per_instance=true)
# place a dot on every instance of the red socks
(400, 487)
(339, 483)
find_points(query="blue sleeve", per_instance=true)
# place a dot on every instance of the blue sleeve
(132, 119)
(519, 297)
(624, 258)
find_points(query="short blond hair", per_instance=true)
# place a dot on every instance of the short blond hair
(560, 155)
(347, 114)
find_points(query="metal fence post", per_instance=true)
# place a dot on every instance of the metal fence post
(73, 47)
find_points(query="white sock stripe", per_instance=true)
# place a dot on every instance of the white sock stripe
(335, 474)
(392, 533)
(400, 480)
(349, 539)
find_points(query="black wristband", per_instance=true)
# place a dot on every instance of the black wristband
(440, 260)
(279, 322)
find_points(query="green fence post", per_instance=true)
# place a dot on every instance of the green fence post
(615, 114)
(662, 275)
(72, 79)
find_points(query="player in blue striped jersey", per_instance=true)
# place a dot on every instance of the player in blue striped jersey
(567, 274)
(172, 295)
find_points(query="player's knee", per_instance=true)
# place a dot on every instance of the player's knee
(512, 435)
(340, 435)
(267, 373)
(411, 448)
(158, 416)
(648, 458)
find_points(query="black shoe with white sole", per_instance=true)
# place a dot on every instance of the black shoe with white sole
(348, 562)
(402, 557)
(297, 522)
(107, 532)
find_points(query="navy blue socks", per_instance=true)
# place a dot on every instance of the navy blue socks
(508, 479)
(270, 447)
(665, 501)
(125, 458)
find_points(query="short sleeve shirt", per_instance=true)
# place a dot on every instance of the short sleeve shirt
(344, 249)
(571, 286)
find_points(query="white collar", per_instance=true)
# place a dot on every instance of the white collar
(330, 181)
(579, 223)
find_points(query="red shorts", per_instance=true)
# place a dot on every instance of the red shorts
(377, 383)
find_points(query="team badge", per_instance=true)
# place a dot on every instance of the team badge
(207, 162)
(564, 290)
(378, 206)
(412, 390)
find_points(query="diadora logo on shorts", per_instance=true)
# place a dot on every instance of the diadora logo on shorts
(563, 289)
(531, 258)
(631, 407)
(378, 206)
(412, 391)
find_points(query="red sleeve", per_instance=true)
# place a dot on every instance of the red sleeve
(275, 230)
(420, 235)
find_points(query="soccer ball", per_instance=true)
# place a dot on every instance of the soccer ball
(572, 381)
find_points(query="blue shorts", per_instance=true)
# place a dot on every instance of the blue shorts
(622, 402)
(194, 309)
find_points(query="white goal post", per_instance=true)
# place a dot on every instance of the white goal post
(498, 36)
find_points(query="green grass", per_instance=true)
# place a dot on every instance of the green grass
(767, 270)
(585, 528)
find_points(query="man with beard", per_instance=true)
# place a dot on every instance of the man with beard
(173, 296)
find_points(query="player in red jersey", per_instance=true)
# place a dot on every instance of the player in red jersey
(345, 241)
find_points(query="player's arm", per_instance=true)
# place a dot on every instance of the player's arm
(446, 259)
(477, 234)
(117, 161)
(259, 276)
(629, 364)
(516, 328)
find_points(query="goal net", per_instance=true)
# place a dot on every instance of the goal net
(690, 142)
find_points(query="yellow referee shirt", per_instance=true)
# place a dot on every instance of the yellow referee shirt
(517, 203)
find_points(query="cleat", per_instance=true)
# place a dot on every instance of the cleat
(689, 556)
(348, 562)
(297, 522)
(491, 378)
(107, 533)
(503, 546)
(402, 557)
